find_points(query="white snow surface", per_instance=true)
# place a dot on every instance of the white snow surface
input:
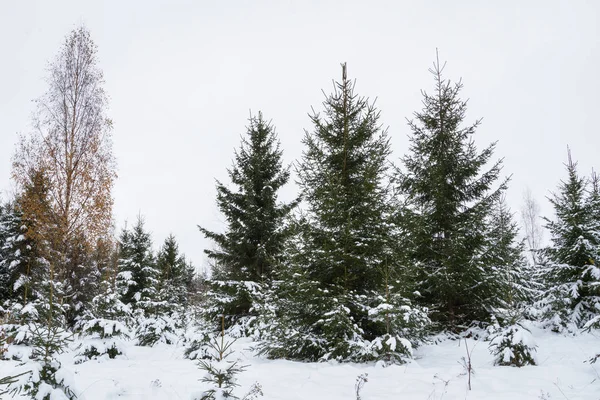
(161, 372)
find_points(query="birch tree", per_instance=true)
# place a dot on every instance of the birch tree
(530, 216)
(71, 145)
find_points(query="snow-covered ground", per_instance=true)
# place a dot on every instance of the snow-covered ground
(161, 372)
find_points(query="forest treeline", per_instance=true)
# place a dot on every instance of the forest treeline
(373, 256)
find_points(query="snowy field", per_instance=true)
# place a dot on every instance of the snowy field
(161, 372)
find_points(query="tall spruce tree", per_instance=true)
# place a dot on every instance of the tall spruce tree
(255, 234)
(342, 177)
(334, 300)
(447, 197)
(572, 296)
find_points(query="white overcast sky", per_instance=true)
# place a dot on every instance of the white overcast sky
(183, 76)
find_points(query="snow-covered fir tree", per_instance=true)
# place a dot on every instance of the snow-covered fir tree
(48, 336)
(593, 270)
(254, 236)
(320, 309)
(572, 276)
(80, 274)
(447, 195)
(175, 274)
(511, 341)
(16, 253)
(511, 286)
(106, 324)
(138, 282)
(38, 276)
(137, 278)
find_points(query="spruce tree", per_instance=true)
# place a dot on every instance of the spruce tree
(175, 273)
(174, 284)
(511, 342)
(16, 252)
(572, 279)
(447, 195)
(138, 275)
(342, 178)
(107, 321)
(511, 283)
(49, 379)
(37, 281)
(346, 227)
(138, 282)
(253, 240)
(593, 206)
(332, 301)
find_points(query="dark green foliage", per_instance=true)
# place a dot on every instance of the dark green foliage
(344, 232)
(35, 274)
(92, 352)
(511, 278)
(342, 177)
(220, 372)
(513, 346)
(7, 380)
(48, 339)
(46, 379)
(330, 299)
(235, 301)
(288, 319)
(107, 308)
(255, 234)
(572, 277)
(304, 320)
(175, 274)
(104, 324)
(138, 277)
(80, 275)
(16, 252)
(138, 282)
(447, 196)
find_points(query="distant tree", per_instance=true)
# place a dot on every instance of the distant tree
(511, 278)
(530, 216)
(71, 146)
(175, 273)
(448, 195)
(514, 287)
(138, 276)
(572, 276)
(139, 286)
